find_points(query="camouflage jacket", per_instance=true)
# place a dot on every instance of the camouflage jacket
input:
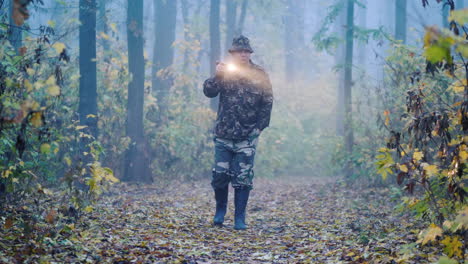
(245, 103)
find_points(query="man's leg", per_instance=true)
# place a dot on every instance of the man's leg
(221, 178)
(242, 168)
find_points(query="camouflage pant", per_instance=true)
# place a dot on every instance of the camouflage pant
(234, 161)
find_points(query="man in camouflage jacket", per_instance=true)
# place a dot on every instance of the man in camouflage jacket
(244, 111)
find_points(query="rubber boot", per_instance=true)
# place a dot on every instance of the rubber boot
(241, 196)
(221, 196)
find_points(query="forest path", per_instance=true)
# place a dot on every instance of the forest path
(290, 221)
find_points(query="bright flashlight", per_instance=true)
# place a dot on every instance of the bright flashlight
(231, 67)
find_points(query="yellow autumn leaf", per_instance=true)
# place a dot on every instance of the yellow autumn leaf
(28, 85)
(462, 218)
(459, 16)
(67, 161)
(463, 155)
(36, 119)
(113, 26)
(112, 178)
(88, 209)
(51, 23)
(30, 71)
(104, 36)
(418, 155)
(403, 168)
(35, 106)
(431, 170)
(459, 86)
(109, 175)
(45, 148)
(463, 152)
(430, 234)
(463, 49)
(93, 185)
(6, 173)
(38, 85)
(59, 47)
(452, 246)
(50, 80)
(53, 90)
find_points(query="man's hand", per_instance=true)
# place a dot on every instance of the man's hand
(254, 134)
(220, 68)
(256, 131)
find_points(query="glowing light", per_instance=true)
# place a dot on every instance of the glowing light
(231, 67)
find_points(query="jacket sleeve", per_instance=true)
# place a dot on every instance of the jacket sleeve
(212, 86)
(266, 104)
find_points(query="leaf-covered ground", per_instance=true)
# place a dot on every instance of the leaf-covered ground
(290, 221)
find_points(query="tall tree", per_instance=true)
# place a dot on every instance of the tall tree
(185, 17)
(362, 49)
(340, 25)
(136, 162)
(103, 25)
(288, 42)
(243, 14)
(215, 44)
(18, 13)
(231, 17)
(348, 81)
(163, 52)
(87, 108)
(400, 20)
(293, 37)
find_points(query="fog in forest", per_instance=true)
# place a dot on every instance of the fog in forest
(142, 104)
(304, 136)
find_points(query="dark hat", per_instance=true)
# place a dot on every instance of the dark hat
(241, 43)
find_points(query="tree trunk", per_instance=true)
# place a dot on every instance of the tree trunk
(231, 17)
(163, 53)
(243, 14)
(348, 82)
(215, 44)
(185, 18)
(104, 26)
(400, 20)
(362, 50)
(136, 161)
(87, 62)
(288, 43)
(339, 58)
(293, 38)
(15, 31)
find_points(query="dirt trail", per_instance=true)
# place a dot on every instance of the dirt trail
(294, 220)
(290, 221)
